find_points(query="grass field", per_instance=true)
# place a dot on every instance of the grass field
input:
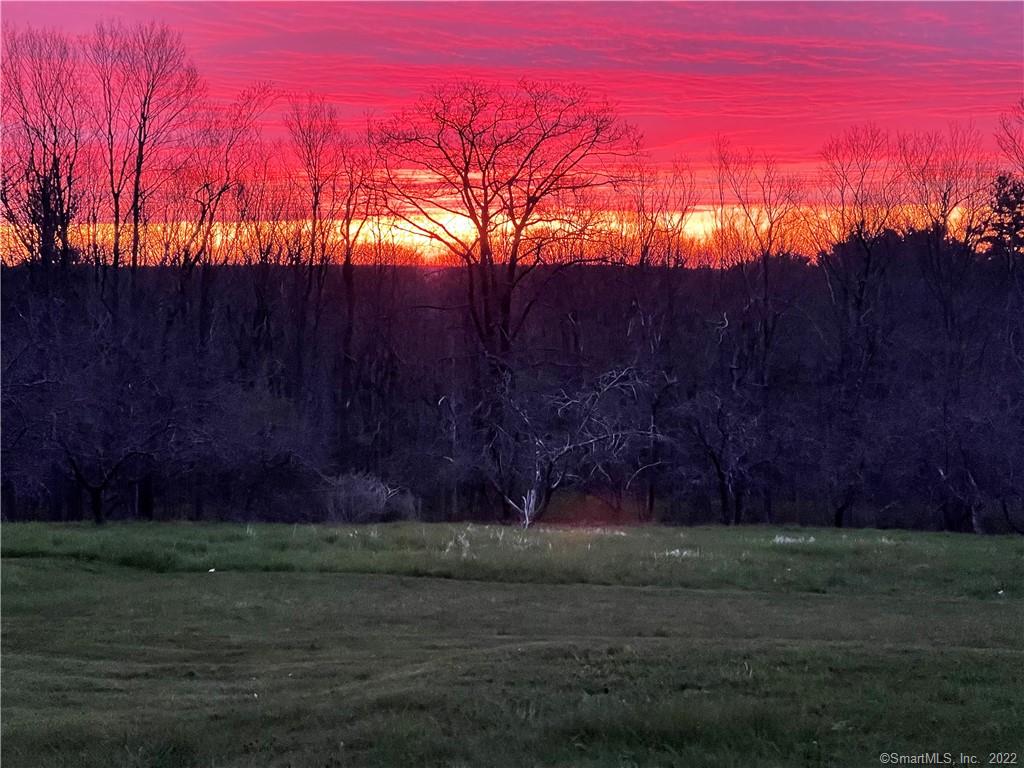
(412, 645)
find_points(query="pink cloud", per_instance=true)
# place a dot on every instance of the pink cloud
(780, 76)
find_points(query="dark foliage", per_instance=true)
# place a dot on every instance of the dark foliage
(648, 387)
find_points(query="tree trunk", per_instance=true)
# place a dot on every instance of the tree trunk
(96, 504)
(8, 501)
(723, 498)
(347, 384)
(205, 319)
(737, 507)
(56, 493)
(956, 517)
(76, 507)
(197, 504)
(348, 283)
(144, 498)
(651, 498)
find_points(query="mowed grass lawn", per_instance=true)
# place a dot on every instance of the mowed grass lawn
(455, 645)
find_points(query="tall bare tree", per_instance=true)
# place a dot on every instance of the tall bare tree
(334, 189)
(359, 205)
(221, 147)
(861, 206)
(144, 87)
(652, 206)
(490, 174)
(43, 133)
(948, 176)
(756, 211)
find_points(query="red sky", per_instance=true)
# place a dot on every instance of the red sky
(780, 77)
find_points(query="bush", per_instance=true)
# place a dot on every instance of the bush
(362, 498)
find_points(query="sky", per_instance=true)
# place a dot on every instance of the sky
(779, 77)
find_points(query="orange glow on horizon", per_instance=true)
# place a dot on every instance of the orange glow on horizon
(405, 242)
(698, 226)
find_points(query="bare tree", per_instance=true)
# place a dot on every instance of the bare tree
(312, 124)
(756, 212)
(726, 437)
(853, 228)
(651, 206)
(490, 174)
(1010, 136)
(341, 201)
(144, 87)
(316, 143)
(948, 181)
(563, 437)
(221, 147)
(263, 206)
(359, 204)
(947, 177)
(43, 133)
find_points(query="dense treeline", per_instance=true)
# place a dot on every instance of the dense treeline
(489, 303)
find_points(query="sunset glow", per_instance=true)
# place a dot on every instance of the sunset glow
(777, 80)
(781, 77)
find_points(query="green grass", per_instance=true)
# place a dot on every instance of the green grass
(413, 645)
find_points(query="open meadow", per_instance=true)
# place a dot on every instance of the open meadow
(464, 645)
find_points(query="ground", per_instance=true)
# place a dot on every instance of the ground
(413, 645)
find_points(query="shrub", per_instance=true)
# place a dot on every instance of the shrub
(358, 497)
